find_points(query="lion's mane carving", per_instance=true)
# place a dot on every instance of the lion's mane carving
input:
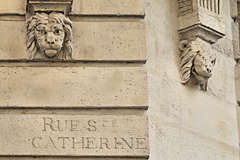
(196, 61)
(49, 36)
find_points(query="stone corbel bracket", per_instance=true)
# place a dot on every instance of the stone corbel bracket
(63, 6)
(200, 25)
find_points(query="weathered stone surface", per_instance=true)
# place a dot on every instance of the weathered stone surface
(224, 88)
(186, 123)
(14, 38)
(84, 7)
(94, 41)
(237, 82)
(233, 9)
(225, 47)
(109, 41)
(192, 145)
(205, 17)
(238, 116)
(63, 6)
(13, 7)
(60, 135)
(108, 7)
(72, 158)
(235, 41)
(73, 87)
(185, 7)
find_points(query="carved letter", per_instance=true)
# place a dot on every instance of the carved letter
(75, 142)
(91, 143)
(141, 143)
(106, 143)
(34, 144)
(63, 139)
(48, 122)
(92, 126)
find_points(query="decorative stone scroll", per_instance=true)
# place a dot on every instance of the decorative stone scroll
(49, 31)
(200, 25)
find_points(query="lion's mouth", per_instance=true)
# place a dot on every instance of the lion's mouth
(202, 74)
(51, 52)
(206, 75)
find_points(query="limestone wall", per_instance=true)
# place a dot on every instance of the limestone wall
(120, 97)
(186, 123)
(91, 105)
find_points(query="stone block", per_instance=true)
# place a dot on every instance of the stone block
(12, 34)
(237, 82)
(13, 7)
(235, 41)
(63, 6)
(73, 158)
(222, 84)
(108, 7)
(220, 126)
(73, 87)
(93, 41)
(183, 144)
(84, 7)
(233, 9)
(238, 116)
(121, 41)
(74, 135)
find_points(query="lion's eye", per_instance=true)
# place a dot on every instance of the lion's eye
(42, 32)
(213, 61)
(57, 31)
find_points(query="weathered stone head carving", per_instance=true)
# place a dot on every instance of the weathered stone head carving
(49, 36)
(196, 61)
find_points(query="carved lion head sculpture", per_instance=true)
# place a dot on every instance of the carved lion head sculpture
(196, 61)
(49, 36)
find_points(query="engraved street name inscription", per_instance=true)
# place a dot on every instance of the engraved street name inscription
(58, 135)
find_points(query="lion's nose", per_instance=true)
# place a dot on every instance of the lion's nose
(209, 70)
(50, 39)
(50, 42)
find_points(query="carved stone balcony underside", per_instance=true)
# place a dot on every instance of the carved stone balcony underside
(201, 18)
(200, 31)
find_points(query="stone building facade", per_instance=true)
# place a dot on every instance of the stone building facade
(186, 123)
(119, 79)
